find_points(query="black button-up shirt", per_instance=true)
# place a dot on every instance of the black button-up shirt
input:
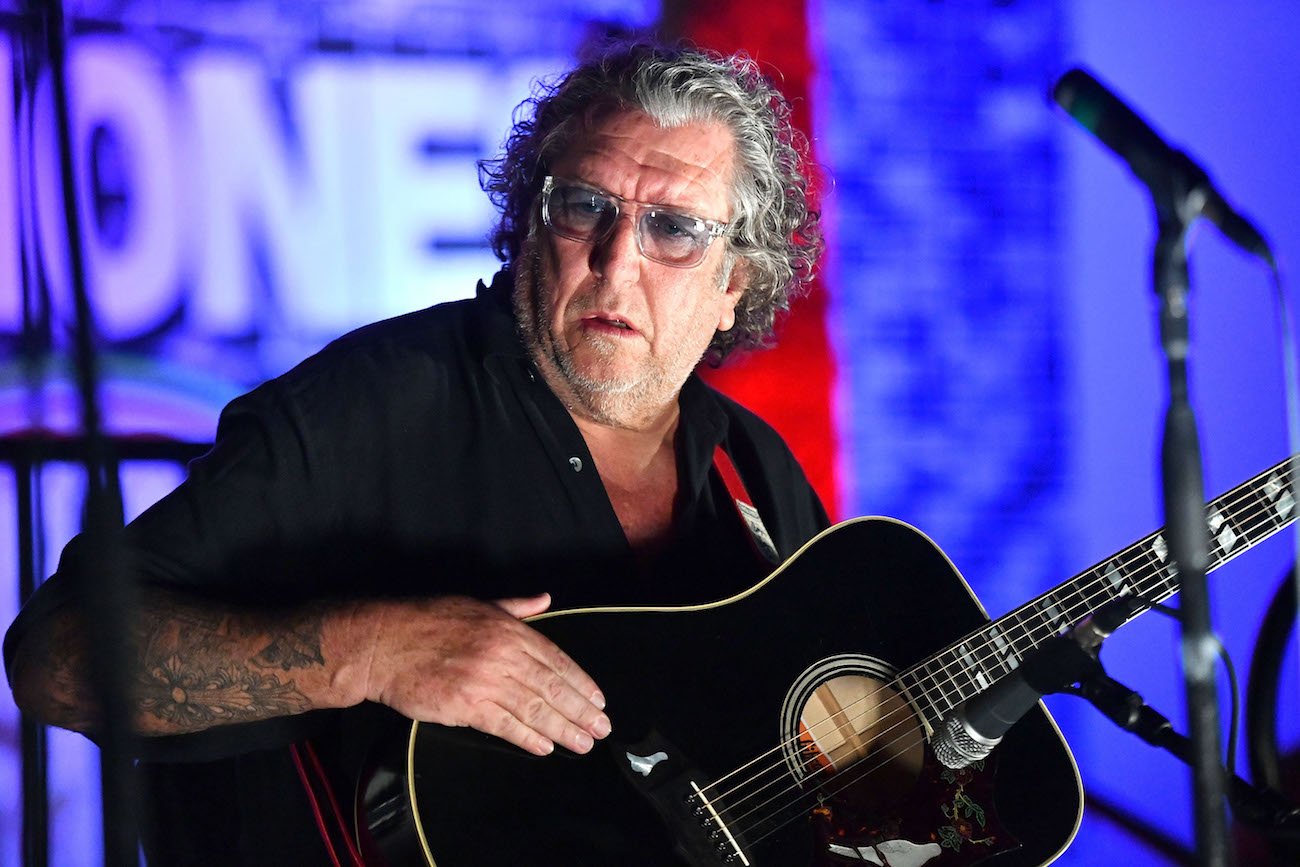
(417, 456)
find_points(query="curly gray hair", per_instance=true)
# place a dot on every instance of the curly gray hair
(773, 231)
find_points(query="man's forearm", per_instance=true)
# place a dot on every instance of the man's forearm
(197, 665)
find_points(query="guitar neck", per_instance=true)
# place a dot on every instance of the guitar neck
(1238, 520)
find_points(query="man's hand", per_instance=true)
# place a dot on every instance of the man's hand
(461, 662)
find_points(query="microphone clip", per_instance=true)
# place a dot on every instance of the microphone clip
(975, 727)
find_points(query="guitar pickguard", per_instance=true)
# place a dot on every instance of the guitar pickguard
(848, 731)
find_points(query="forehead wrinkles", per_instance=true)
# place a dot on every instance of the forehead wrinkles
(688, 167)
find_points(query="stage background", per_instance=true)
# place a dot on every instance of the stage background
(979, 357)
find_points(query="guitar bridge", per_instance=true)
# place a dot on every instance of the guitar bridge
(664, 777)
(731, 848)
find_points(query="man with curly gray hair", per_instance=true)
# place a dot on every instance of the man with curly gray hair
(375, 527)
(774, 234)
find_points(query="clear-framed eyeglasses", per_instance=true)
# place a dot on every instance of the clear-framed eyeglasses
(579, 212)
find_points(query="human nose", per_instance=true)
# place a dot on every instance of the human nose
(618, 252)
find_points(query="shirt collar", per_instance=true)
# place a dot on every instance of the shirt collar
(502, 334)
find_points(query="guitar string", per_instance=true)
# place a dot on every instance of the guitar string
(849, 776)
(926, 693)
(1243, 492)
(1007, 627)
(836, 784)
(866, 772)
(810, 765)
(807, 797)
(875, 732)
(1007, 631)
(1165, 584)
(901, 716)
(1087, 605)
(1258, 508)
(845, 779)
(891, 750)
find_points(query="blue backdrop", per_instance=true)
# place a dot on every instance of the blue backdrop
(264, 176)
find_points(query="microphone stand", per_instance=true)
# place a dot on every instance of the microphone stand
(1186, 532)
(107, 604)
(1181, 192)
(1260, 807)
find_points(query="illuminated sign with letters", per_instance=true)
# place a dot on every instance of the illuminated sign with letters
(224, 199)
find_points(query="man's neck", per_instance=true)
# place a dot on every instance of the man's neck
(638, 468)
(638, 444)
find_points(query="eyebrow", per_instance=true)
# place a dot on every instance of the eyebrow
(664, 206)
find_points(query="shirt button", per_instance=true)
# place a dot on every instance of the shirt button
(576, 463)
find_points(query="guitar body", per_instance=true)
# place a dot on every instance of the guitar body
(750, 731)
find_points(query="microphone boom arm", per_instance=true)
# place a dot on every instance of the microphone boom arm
(1258, 806)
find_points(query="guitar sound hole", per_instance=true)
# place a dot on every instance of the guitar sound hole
(860, 729)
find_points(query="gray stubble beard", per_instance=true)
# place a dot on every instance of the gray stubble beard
(613, 403)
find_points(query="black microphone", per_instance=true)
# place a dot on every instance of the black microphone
(1174, 179)
(977, 725)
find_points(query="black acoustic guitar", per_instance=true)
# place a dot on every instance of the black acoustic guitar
(789, 725)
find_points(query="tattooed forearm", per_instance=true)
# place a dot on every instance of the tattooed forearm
(199, 670)
(208, 678)
(192, 699)
(197, 665)
(299, 647)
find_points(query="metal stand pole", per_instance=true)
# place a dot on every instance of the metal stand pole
(36, 794)
(1186, 535)
(108, 599)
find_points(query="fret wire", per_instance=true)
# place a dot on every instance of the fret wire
(1241, 517)
(1224, 535)
(927, 691)
(920, 698)
(1152, 568)
(993, 651)
(1125, 573)
(1008, 658)
(952, 672)
(948, 685)
(959, 681)
(1258, 498)
(1073, 597)
(1268, 506)
(970, 678)
(1153, 564)
(1152, 580)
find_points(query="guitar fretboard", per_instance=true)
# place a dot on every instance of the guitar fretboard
(1238, 520)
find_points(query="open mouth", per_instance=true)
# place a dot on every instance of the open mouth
(609, 323)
